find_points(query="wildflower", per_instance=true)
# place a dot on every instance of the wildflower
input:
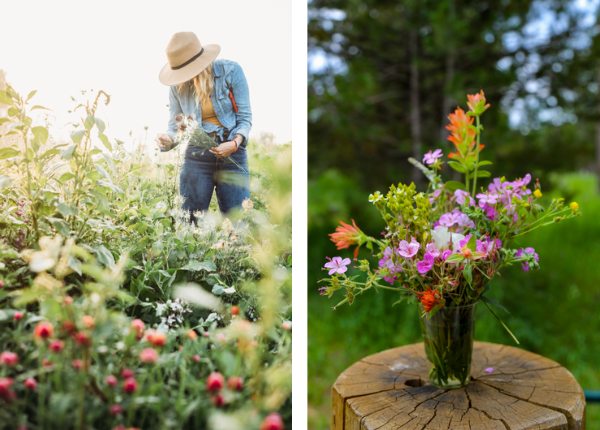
(235, 383)
(88, 321)
(537, 193)
(431, 249)
(347, 235)
(431, 158)
(574, 206)
(148, 355)
(446, 254)
(235, 310)
(286, 325)
(215, 382)
(77, 364)
(488, 247)
(477, 103)
(530, 251)
(218, 400)
(462, 197)
(408, 250)
(158, 339)
(487, 198)
(192, 334)
(5, 391)
(43, 330)
(460, 132)
(337, 265)
(30, 384)
(18, 315)
(116, 409)
(56, 345)
(430, 299)
(273, 421)
(138, 326)
(68, 300)
(443, 238)
(426, 265)
(127, 373)
(82, 339)
(247, 205)
(111, 381)
(9, 358)
(196, 358)
(130, 385)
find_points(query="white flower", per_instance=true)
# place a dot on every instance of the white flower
(442, 238)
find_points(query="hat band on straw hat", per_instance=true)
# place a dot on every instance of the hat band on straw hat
(188, 61)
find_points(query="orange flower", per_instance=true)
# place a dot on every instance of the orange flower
(192, 334)
(88, 321)
(477, 103)
(430, 299)
(158, 339)
(43, 330)
(347, 235)
(461, 134)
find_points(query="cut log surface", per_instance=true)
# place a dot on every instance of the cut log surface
(391, 390)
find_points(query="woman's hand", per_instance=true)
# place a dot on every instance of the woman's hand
(225, 149)
(163, 141)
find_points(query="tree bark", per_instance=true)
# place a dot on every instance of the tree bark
(415, 108)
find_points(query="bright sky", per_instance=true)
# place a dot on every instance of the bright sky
(62, 47)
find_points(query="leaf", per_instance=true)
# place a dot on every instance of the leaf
(483, 174)
(95, 151)
(110, 162)
(472, 243)
(484, 163)
(110, 185)
(454, 185)
(217, 289)
(41, 133)
(60, 225)
(12, 111)
(50, 152)
(455, 258)
(468, 273)
(5, 181)
(102, 171)
(31, 94)
(93, 175)
(494, 302)
(89, 122)
(211, 318)
(100, 124)
(101, 199)
(77, 135)
(213, 278)
(40, 107)
(66, 177)
(4, 120)
(194, 265)
(67, 153)
(5, 98)
(8, 153)
(457, 166)
(104, 256)
(67, 210)
(105, 141)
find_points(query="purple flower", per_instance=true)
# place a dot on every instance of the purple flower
(488, 247)
(431, 158)
(337, 265)
(489, 198)
(488, 370)
(425, 265)
(490, 212)
(463, 242)
(408, 250)
(435, 195)
(456, 217)
(529, 251)
(462, 197)
(446, 254)
(430, 249)
(447, 220)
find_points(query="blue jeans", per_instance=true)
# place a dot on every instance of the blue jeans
(202, 173)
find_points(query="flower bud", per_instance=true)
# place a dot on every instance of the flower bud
(9, 358)
(30, 384)
(218, 400)
(43, 330)
(148, 355)
(215, 382)
(111, 381)
(235, 310)
(138, 326)
(192, 334)
(235, 383)
(88, 321)
(56, 345)
(196, 357)
(116, 409)
(130, 386)
(272, 422)
(158, 339)
(127, 373)
(77, 364)
(82, 339)
(18, 315)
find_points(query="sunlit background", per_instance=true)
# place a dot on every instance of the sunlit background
(383, 77)
(62, 48)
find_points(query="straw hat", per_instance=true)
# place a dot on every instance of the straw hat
(187, 57)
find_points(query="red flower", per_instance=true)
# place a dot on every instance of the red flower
(5, 391)
(18, 315)
(127, 373)
(347, 235)
(111, 380)
(46, 363)
(218, 400)
(430, 299)
(82, 339)
(9, 358)
(56, 345)
(130, 386)
(272, 422)
(235, 383)
(149, 355)
(30, 384)
(43, 330)
(215, 382)
(235, 310)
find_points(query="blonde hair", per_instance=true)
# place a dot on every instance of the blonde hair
(203, 84)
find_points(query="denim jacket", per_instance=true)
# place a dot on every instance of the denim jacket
(228, 77)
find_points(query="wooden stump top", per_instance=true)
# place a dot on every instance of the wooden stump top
(391, 390)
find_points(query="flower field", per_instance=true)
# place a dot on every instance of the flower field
(118, 313)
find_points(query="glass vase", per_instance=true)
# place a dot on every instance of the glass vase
(448, 338)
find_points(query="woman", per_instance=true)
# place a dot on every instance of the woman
(216, 92)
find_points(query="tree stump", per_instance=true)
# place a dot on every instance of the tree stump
(391, 390)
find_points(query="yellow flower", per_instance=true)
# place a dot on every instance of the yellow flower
(537, 193)
(574, 206)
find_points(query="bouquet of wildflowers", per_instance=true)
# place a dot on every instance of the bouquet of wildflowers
(444, 246)
(190, 132)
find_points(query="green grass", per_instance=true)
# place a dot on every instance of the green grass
(555, 311)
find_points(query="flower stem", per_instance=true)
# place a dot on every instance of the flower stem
(476, 160)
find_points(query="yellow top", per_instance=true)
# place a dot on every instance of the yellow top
(208, 112)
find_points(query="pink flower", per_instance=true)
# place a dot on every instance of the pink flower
(149, 355)
(489, 247)
(462, 197)
(425, 265)
(489, 370)
(18, 315)
(127, 373)
(431, 249)
(529, 251)
(9, 358)
(215, 382)
(489, 198)
(196, 357)
(446, 254)
(273, 421)
(116, 409)
(431, 158)
(56, 345)
(408, 250)
(130, 385)
(219, 400)
(77, 364)
(111, 380)
(235, 383)
(464, 241)
(30, 384)
(5, 391)
(337, 265)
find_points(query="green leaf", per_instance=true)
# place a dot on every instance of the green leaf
(101, 198)
(95, 151)
(217, 290)
(104, 256)
(455, 258)
(66, 177)
(8, 153)
(60, 225)
(50, 152)
(494, 302)
(196, 266)
(102, 171)
(89, 122)
(105, 141)
(5, 98)
(93, 175)
(12, 111)
(41, 133)
(472, 243)
(110, 162)
(67, 210)
(40, 107)
(482, 174)
(457, 166)
(4, 120)
(5, 181)
(454, 185)
(484, 162)
(109, 185)
(468, 273)
(100, 124)
(77, 135)
(31, 94)
(67, 153)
